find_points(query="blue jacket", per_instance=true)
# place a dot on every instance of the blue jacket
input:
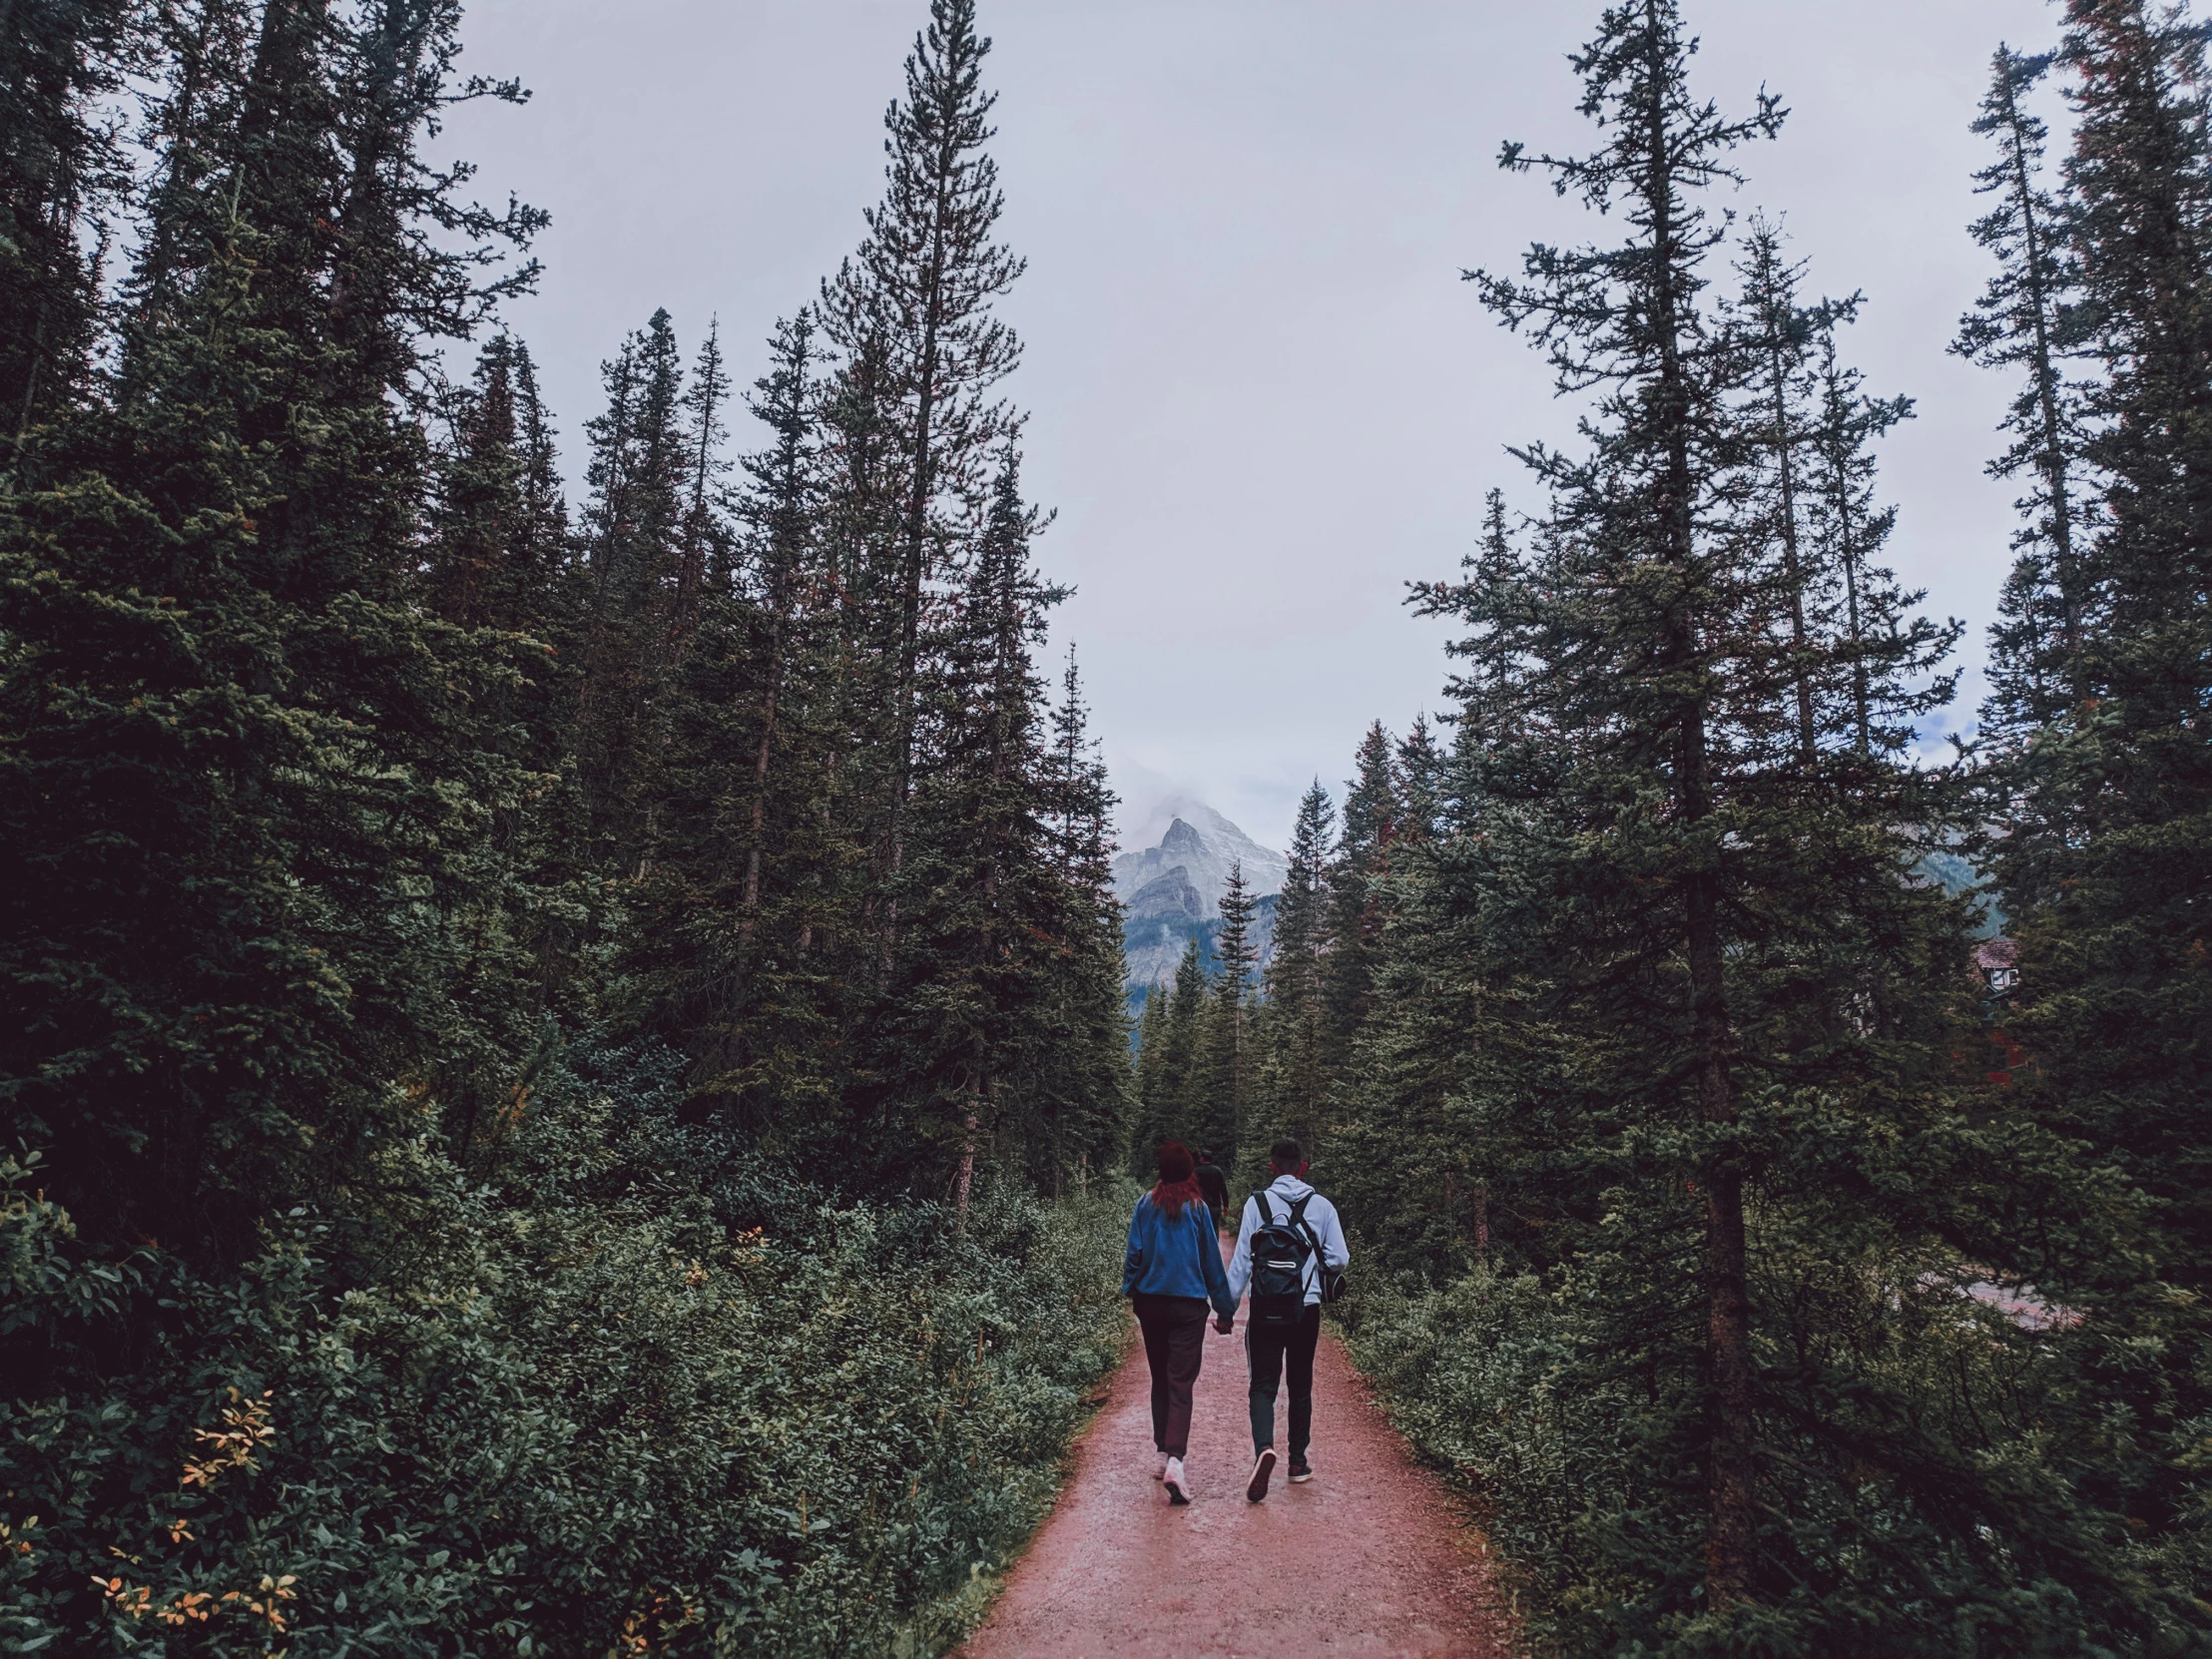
(1178, 1257)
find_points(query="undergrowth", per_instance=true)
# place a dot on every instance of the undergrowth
(589, 1407)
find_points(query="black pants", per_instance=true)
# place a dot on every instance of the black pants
(1269, 1346)
(1174, 1330)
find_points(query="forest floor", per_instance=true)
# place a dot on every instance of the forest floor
(1369, 1558)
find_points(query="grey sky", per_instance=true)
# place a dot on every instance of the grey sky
(1263, 399)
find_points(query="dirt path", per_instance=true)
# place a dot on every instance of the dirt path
(1365, 1559)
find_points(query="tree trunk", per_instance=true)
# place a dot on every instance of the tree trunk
(1732, 1531)
(1732, 1537)
(2053, 459)
(1794, 567)
(966, 1178)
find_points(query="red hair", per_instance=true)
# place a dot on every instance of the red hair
(1177, 1184)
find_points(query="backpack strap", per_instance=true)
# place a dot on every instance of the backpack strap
(1299, 1221)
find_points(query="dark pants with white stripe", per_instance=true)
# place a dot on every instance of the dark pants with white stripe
(1271, 1347)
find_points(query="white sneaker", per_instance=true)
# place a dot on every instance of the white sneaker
(1179, 1488)
(1263, 1467)
(1160, 1472)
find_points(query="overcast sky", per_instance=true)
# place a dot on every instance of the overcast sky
(1263, 399)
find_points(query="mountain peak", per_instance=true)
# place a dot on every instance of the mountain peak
(1181, 837)
(1206, 846)
(1172, 890)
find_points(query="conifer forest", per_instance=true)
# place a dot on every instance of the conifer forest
(566, 1076)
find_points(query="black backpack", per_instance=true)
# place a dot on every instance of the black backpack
(1278, 1253)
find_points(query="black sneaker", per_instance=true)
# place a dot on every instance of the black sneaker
(1263, 1467)
(1300, 1471)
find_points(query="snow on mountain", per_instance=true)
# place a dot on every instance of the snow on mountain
(1204, 844)
(1172, 891)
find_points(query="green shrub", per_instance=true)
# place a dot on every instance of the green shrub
(575, 1411)
(1910, 1467)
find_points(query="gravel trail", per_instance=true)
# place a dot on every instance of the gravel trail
(1368, 1559)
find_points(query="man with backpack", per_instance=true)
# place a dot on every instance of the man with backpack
(1291, 1253)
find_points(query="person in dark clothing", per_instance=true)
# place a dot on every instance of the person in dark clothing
(1286, 1352)
(1173, 1269)
(1213, 1186)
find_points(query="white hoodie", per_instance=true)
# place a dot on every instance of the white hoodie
(1321, 1216)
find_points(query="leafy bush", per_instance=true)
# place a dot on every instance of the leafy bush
(578, 1411)
(1913, 1463)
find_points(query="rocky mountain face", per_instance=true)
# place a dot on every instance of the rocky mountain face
(1172, 891)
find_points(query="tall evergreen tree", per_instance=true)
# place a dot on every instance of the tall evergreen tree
(1149, 1120)
(1227, 1068)
(498, 553)
(782, 512)
(1082, 1087)
(1644, 746)
(1422, 768)
(1357, 905)
(1778, 332)
(917, 301)
(1850, 527)
(1626, 320)
(1179, 1111)
(2026, 324)
(635, 523)
(967, 1016)
(1296, 1064)
(242, 927)
(2102, 783)
(730, 939)
(62, 180)
(1705, 964)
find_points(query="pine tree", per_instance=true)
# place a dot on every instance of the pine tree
(1422, 768)
(917, 298)
(1147, 1123)
(635, 525)
(1635, 535)
(1704, 964)
(1850, 529)
(498, 555)
(1177, 1112)
(731, 937)
(963, 1028)
(703, 539)
(230, 939)
(860, 595)
(1356, 910)
(1226, 1069)
(63, 178)
(1082, 1087)
(1778, 330)
(1298, 1069)
(2027, 322)
(1408, 1161)
(781, 515)
(2105, 811)
(2104, 808)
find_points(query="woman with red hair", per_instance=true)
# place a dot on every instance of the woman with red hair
(1172, 1272)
